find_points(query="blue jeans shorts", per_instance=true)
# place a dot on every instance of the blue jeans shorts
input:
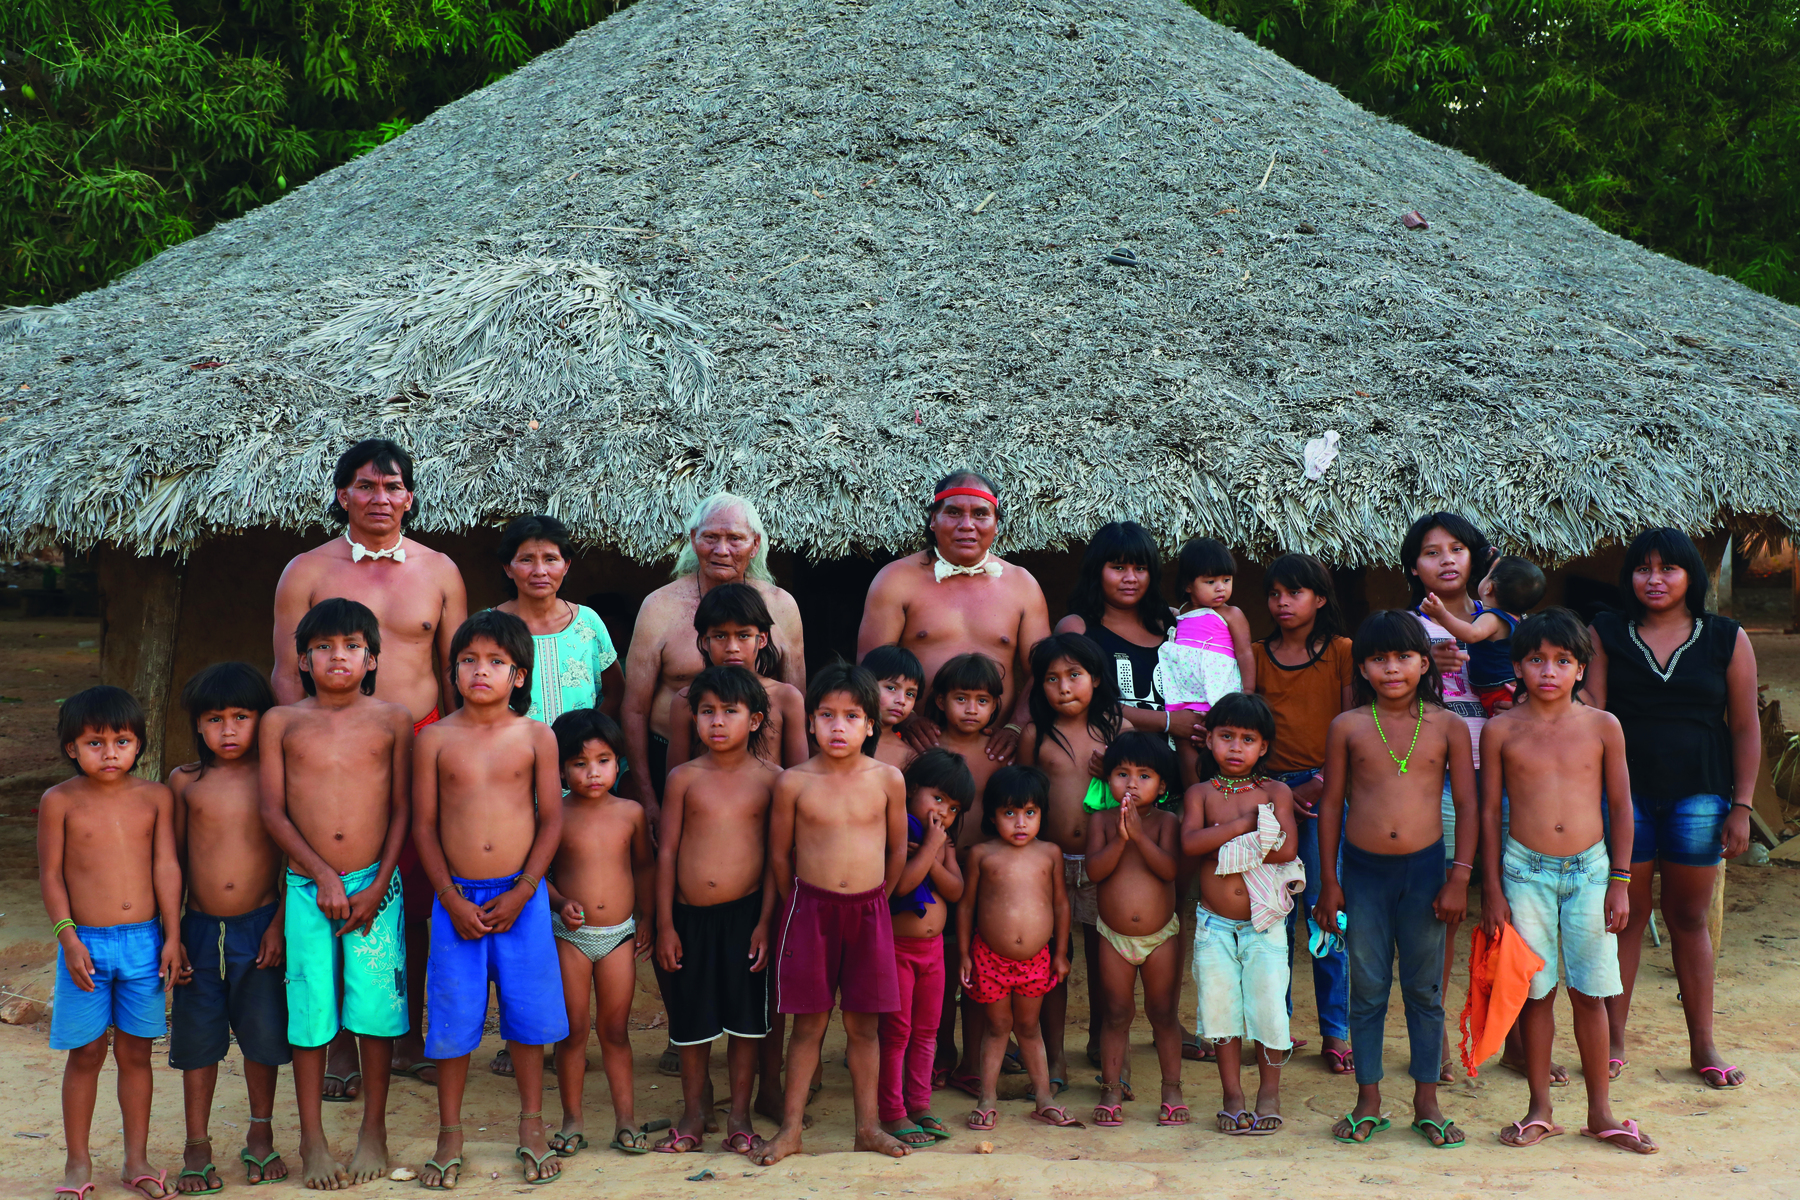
(1559, 904)
(1242, 975)
(1688, 831)
(128, 990)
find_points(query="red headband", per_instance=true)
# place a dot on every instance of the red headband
(978, 493)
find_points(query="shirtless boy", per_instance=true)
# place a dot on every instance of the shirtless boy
(1241, 820)
(900, 678)
(1562, 766)
(486, 842)
(1133, 853)
(336, 775)
(602, 896)
(713, 902)
(1074, 702)
(1391, 753)
(732, 628)
(837, 846)
(231, 982)
(107, 866)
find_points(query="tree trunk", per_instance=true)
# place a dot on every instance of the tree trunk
(152, 681)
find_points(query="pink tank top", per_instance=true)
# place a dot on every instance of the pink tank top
(1204, 629)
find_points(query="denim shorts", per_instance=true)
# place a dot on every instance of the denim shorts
(1688, 831)
(1242, 975)
(1559, 903)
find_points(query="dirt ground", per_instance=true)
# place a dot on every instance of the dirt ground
(1739, 1143)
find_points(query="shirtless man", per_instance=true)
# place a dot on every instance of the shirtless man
(955, 597)
(725, 545)
(417, 595)
(335, 789)
(837, 847)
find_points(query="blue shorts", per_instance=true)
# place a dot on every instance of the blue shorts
(228, 994)
(521, 963)
(1559, 903)
(128, 989)
(1689, 831)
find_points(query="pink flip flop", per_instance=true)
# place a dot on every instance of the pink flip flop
(984, 1119)
(161, 1179)
(677, 1143)
(1166, 1118)
(1722, 1073)
(1627, 1128)
(1340, 1062)
(79, 1193)
(1109, 1116)
(1057, 1117)
(1520, 1128)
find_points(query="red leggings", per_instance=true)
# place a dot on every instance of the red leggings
(909, 1037)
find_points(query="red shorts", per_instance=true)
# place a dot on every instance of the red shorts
(994, 977)
(415, 888)
(1489, 697)
(831, 941)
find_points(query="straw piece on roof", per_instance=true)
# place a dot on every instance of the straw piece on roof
(774, 203)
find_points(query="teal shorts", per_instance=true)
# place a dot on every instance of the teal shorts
(357, 982)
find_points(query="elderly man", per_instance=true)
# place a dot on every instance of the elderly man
(417, 595)
(725, 545)
(955, 596)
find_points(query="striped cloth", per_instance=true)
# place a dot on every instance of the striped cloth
(1272, 888)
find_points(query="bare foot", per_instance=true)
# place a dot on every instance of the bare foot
(444, 1169)
(770, 1106)
(786, 1142)
(371, 1158)
(1559, 1074)
(198, 1157)
(882, 1142)
(318, 1169)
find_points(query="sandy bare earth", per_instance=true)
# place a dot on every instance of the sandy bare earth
(1737, 1143)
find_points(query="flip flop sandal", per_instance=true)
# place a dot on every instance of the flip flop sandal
(1058, 1086)
(1231, 1123)
(79, 1193)
(670, 1062)
(1521, 1137)
(628, 1142)
(494, 1067)
(1012, 1064)
(1381, 1124)
(1627, 1128)
(262, 1166)
(905, 1136)
(940, 1078)
(161, 1179)
(344, 1097)
(416, 1072)
(1258, 1129)
(1109, 1116)
(1615, 1067)
(1341, 1062)
(968, 1085)
(984, 1119)
(1061, 1119)
(1425, 1127)
(748, 1142)
(677, 1143)
(201, 1176)
(934, 1127)
(443, 1169)
(522, 1153)
(1166, 1117)
(1195, 1052)
(1722, 1074)
(572, 1144)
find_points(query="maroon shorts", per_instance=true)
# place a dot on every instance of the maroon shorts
(832, 941)
(994, 977)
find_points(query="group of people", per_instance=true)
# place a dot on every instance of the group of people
(420, 805)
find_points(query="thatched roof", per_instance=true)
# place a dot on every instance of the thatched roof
(818, 251)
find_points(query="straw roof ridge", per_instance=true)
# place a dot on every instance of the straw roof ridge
(819, 252)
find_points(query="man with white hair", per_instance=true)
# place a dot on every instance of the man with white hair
(725, 544)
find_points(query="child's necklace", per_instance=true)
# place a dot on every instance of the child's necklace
(1232, 787)
(1374, 712)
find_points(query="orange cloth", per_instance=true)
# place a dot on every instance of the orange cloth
(1499, 984)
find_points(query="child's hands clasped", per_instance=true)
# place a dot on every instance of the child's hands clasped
(1131, 824)
(465, 918)
(504, 909)
(362, 909)
(332, 900)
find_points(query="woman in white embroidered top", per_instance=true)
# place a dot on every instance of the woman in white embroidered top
(575, 665)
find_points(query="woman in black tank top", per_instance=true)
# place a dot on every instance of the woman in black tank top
(1118, 603)
(1682, 682)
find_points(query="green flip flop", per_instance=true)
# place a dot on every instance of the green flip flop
(628, 1142)
(1424, 1127)
(443, 1169)
(261, 1165)
(1381, 1124)
(933, 1126)
(910, 1131)
(201, 1176)
(523, 1153)
(572, 1144)
(345, 1080)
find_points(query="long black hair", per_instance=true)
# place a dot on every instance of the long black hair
(1676, 549)
(1121, 542)
(1102, 713)
(1458, 527)
(1390, 631)
(1297, 571)
(539, 528)
(218, 687)
(740, 604)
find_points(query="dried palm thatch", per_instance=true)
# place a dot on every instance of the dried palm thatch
(819, 251)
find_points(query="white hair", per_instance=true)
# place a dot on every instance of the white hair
(688, 563)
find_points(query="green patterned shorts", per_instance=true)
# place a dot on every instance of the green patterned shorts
(356, 982)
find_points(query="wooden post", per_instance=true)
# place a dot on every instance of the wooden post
(1794, 595)
(156, 658)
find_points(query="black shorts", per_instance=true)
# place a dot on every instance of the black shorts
(716, 992)
(229, 994)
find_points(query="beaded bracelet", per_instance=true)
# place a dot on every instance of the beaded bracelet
(65, 923)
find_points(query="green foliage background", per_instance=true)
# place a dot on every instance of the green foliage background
(1675, 123)
(127, 126)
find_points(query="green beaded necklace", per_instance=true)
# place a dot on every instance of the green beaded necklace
(1373, 712)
